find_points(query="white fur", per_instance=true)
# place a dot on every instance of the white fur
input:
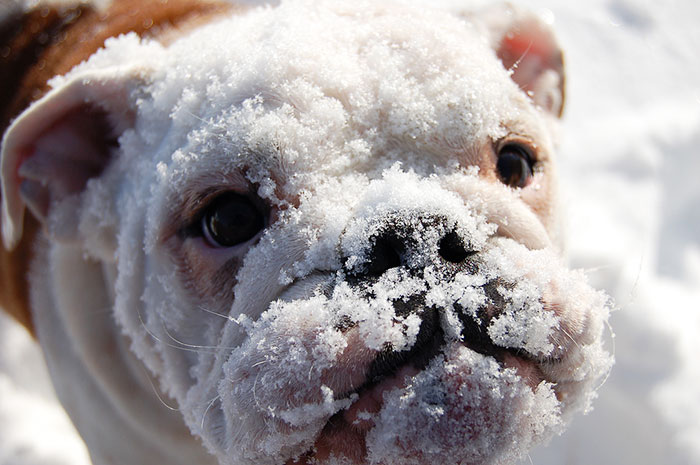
(341, 115)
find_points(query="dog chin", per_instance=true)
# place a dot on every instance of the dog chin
(348, 434)
(423, 416)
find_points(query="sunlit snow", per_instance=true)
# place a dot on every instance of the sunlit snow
(632, 127)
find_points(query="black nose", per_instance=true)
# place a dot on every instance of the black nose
(451, 248)
(387, 252)
(399, 242)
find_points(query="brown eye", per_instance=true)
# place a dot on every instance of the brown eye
(515, 165)
(231, 219)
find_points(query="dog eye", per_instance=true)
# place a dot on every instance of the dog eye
(231, 219)
(515, 165)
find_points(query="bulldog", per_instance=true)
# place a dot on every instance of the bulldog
(316, 233)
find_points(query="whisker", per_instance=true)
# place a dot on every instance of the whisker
(612, 337)
(199, 118)
(630, 300)
(195, 346)
(209, 406)
(255, 394)
(242, 320)
(631, 295)
(244, 376)
(506, 229)
(160, 341)
(221, 315)
(571, 338)
(311, 369)
(595, 269)
(156, 392)
(517, 62)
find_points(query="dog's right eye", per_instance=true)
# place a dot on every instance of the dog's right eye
(231, 219)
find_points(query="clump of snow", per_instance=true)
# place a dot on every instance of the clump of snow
(271, 374)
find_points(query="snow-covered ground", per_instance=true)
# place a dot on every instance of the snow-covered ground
(630, 165)
(630, 160)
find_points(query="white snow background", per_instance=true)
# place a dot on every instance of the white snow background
(629, 165)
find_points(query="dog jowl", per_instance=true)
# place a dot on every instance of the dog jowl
(323, 232)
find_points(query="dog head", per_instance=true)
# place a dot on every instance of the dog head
(329, 230)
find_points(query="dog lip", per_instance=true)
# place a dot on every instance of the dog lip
(430, 341)
(318, 281)
(475, 337)
(388, 369)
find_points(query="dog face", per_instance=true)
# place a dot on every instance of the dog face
(329, 231)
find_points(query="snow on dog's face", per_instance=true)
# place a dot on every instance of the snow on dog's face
(332, 231)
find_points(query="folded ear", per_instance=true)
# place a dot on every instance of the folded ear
(61, 141)
(526, 46)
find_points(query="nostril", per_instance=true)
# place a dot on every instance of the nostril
(385, 254)
(451, 248)
(409, 241)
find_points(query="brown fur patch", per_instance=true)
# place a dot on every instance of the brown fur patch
(49, 41)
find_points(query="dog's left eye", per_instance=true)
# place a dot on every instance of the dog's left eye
(231, 219)
(515, 165)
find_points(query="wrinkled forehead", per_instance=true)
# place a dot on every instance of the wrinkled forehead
(330, 89)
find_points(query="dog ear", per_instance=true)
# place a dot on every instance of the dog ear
(61, 141)
(526, 46)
